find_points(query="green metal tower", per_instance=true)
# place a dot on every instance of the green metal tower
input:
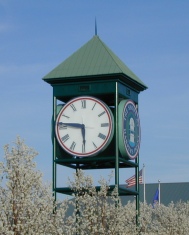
(95, 71)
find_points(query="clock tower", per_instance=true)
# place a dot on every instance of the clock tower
(97, 126)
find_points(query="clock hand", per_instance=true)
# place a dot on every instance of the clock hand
(83, 135)
(76, 125)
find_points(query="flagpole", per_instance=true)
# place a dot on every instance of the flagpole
(143, 173)
(159, 191)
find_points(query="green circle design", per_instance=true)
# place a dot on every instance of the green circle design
(129, 129)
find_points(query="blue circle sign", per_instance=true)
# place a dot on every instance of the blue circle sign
(129, 129)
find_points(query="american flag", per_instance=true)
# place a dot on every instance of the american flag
(132, 181)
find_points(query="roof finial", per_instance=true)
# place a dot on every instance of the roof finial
(95, 27)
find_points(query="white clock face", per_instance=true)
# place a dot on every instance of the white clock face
(84, 126)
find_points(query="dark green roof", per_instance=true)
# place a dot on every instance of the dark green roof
(92, 59)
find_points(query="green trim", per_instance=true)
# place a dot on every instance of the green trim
(54, 147)
(122, 191)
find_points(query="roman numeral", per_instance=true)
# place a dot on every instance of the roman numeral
(65, 138)
(83, 104)
(94, 145)
(100, 135)
(73, 107)
(101, 113)
(93, 106)
(105, 124)
(72, 147)
(83, 148)
(65, 116)
(61, 126)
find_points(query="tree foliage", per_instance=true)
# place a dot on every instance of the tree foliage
(98, 213)
(27, 205)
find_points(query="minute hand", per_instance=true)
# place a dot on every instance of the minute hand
(76, 125)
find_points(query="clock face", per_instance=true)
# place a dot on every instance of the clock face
(84, 126)
(129, 129)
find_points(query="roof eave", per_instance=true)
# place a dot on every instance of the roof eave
(122, 77)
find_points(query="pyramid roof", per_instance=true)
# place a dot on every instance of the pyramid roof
(93, 59)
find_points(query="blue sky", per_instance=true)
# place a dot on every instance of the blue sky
(150, 37)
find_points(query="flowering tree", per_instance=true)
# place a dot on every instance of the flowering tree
(26, 204)
(172, 219)
(28, 207)
(97, 212)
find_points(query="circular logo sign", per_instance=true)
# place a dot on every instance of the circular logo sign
(130, 129)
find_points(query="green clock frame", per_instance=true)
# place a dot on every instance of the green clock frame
(111, 157)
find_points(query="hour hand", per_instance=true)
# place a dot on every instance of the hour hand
(76, 125)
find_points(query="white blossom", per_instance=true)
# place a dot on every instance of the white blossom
(27, 205)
